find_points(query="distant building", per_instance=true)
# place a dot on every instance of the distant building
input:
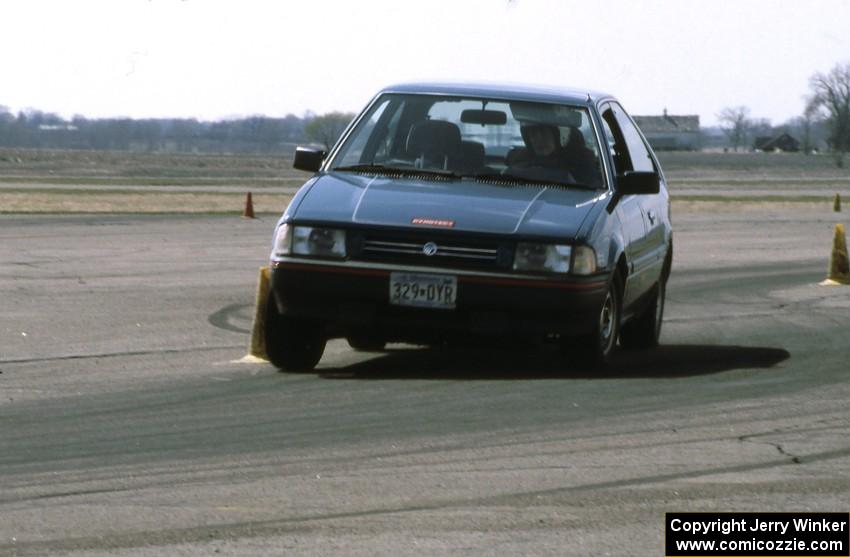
(671, 133)
(57, 127)
(782, 142)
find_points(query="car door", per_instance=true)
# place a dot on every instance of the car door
(652, 206)
(632, 210)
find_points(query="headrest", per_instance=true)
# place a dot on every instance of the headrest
(434, 137)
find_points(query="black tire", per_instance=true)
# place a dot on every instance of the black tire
(292, 344)
(597, 348)
(643, 331)
(366, 343)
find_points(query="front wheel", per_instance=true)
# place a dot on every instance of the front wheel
(596, 348)
(644, 331)
(292, 343)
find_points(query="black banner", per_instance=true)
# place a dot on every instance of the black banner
(757, 534)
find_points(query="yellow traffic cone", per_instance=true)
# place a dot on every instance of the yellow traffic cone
(839, 264)
(248, 213)
(257, 346)
(836, 203)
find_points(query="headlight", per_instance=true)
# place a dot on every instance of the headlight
(553, 258)
(322, 242)
(542, 257)
(308, 240)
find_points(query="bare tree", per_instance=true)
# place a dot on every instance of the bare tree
(735, 123)
(831, 98)
(760, 126)
(327, 128)
(806, 121)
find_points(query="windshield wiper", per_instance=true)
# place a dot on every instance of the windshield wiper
(497, 177)
(383, 169)
(364, 168)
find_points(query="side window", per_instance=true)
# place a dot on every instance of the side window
(638, 153)
(615, 140)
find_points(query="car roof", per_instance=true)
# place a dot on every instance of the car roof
(511, 91)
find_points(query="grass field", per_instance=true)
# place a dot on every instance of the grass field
(140, 167)
(49, 181)
(719, 166)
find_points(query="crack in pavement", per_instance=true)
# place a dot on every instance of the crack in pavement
(794, 458)
(751, 438)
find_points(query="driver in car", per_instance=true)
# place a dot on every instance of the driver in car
(573, 162)
(544, 146)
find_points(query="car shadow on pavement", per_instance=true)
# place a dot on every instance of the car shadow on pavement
(666, 361)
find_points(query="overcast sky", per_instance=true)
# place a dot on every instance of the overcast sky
(211, 59)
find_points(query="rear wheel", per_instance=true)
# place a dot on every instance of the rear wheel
(644, 331)
(596, 348)
(292, 343)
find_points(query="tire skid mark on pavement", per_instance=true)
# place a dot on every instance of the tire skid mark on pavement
(223, 318)
(121, 354)
(264, 528)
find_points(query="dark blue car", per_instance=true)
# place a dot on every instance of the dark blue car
(447, 213)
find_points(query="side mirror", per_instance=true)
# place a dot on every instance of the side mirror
(309, 159)
(638, 183)
(634, 183)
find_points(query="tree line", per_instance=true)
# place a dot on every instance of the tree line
(825, 121)
(825, 118)
(256, 134)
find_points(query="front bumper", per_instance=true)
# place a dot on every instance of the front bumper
(354, 298)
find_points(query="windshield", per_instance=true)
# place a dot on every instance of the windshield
(477, 138)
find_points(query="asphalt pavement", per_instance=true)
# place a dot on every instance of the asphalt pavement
(127, 427)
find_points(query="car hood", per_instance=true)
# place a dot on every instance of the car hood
(460, 204)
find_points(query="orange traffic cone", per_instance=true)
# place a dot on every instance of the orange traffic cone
(248, 213)
(839, 264)
(257, 345)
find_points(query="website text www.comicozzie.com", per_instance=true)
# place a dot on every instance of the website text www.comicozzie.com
(757, 534)
(777, 546)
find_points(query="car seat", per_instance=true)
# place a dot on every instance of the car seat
(434, 144)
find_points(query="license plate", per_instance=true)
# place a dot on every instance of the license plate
(427, 291)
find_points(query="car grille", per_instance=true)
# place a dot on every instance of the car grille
(411, 249)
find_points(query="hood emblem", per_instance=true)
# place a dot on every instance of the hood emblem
(430, 249)
(442, 223)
